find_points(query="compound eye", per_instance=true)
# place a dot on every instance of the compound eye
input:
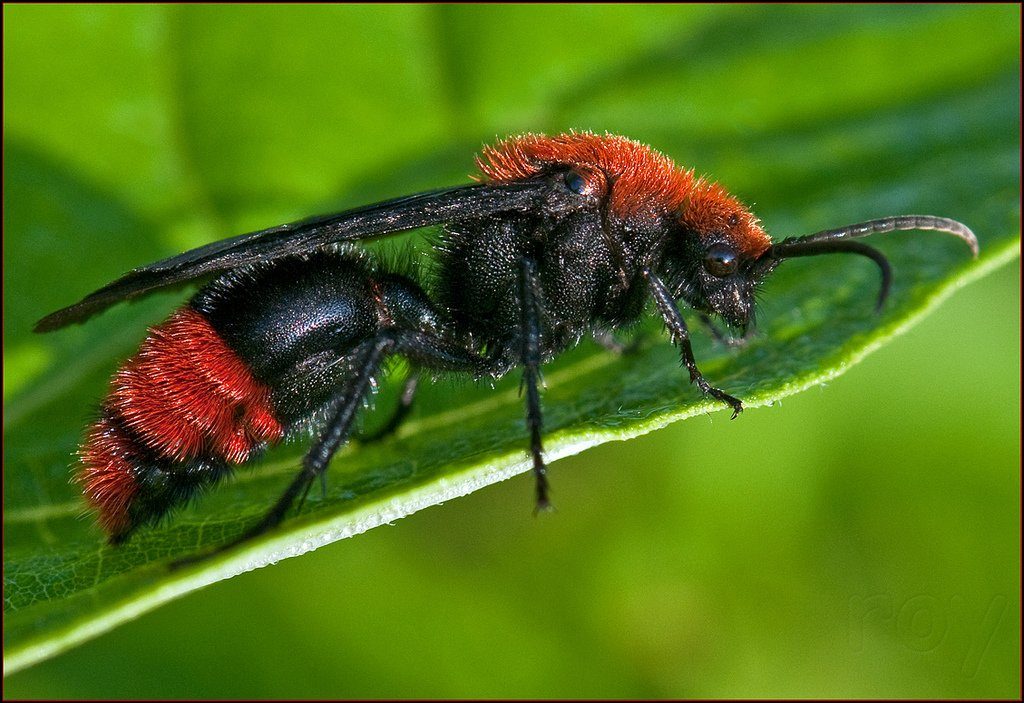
(721, 260)
(575, 182)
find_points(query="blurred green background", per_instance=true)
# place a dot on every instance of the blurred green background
(856, 540)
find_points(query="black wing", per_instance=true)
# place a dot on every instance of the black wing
(476, 200)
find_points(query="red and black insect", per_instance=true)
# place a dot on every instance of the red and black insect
(562, 237)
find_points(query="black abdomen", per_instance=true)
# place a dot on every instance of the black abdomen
(295, 322)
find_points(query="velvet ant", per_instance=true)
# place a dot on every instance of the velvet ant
(561, 237)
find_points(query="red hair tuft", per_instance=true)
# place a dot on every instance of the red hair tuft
(184, 395)
(108, 475)
(710, 208)
(643, 181)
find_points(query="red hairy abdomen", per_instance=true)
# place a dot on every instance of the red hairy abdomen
(185, 395)
(107, 475)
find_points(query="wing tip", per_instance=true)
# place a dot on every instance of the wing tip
(57, 320)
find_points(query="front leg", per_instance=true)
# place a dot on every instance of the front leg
(529, 330)
(681, 335)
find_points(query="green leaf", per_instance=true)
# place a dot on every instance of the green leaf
(148, 130)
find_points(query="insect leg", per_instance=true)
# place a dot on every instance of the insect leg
(681, 336)
(348, 403)
(420, 348)
(531, 357)
(334, 435)
(400, 413)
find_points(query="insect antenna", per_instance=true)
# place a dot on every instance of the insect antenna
(836, 241)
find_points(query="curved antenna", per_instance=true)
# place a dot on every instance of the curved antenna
(800, 248)
(882, 225)
(837, 241)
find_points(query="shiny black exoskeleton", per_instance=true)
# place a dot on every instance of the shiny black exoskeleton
(302, 323)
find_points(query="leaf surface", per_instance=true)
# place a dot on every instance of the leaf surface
(176, 126)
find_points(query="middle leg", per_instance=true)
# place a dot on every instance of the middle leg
(530, 332)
